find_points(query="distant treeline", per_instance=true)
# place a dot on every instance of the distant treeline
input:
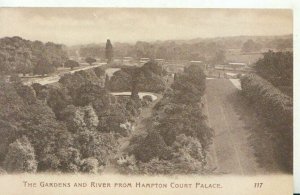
(18, 55)
(209, 50)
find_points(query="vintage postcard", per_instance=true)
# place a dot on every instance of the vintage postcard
(146, 100)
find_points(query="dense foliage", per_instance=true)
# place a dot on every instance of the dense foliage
(179, 139)
(277, 68)
(18, 55)
(276, 112)
(71, 126)
(189, 87)
(146, 78)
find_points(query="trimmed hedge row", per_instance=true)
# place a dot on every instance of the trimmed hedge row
(275, 111)
(269, 102)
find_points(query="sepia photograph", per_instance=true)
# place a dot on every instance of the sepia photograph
(146, 92)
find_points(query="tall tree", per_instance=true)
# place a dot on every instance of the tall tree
(109, 53)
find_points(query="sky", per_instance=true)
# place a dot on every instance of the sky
(72, 26)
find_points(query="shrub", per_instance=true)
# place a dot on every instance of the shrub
(182, 165)
(99, 71)
(90, 60)
(189, 86)
(69, 159)
(79, 118)
(20, 157)
(148, 98)
(89, 165)
(26, 92)
(150, 147)
(71, 64)
(101, 146)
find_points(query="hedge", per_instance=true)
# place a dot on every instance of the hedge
(269, 102)
(275, 111)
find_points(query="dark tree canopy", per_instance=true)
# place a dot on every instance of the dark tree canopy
(276, 67)
(19, 55)
(150, 147)
(190, 85)
(90, 60)
(71, 64)
(43, 66)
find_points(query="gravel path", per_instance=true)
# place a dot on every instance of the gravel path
(231, 152)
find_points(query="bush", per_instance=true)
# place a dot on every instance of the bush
(40, 90)
(80, 118)
(152, 146)
(146, 78)
(189, 86)
(71, 64)
(57, 99)
(89, 165)
(69, 159)
(185, 119)
(20, 157)
(89, 93)
(190, 146)
(90, 60)
(188, 157)
(182, 165)
(100, 146)
(26, 92)
(148, 98)
(99, 71)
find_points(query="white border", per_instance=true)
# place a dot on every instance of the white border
(285, 4)
(152, 3)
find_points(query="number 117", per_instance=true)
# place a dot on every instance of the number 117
(258, 185)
